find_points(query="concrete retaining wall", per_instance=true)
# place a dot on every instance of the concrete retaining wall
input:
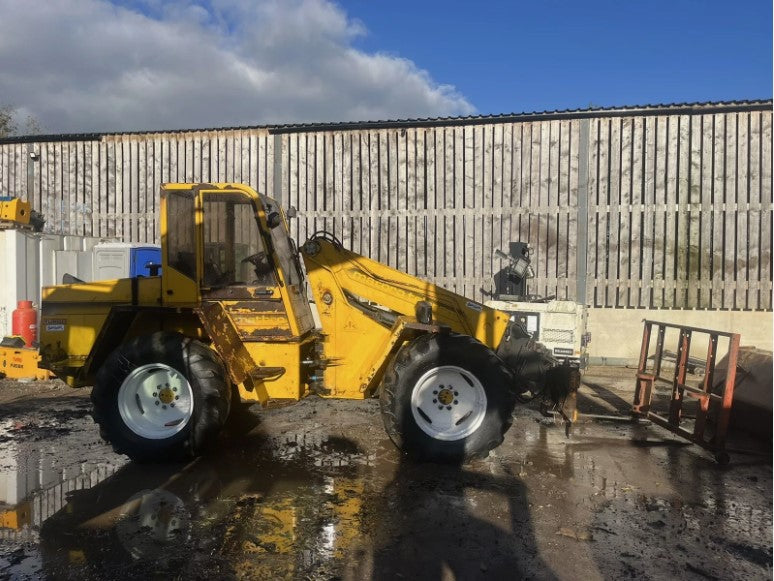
(616, 334)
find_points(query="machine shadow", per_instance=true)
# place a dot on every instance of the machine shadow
(440, 521)
(621, 405)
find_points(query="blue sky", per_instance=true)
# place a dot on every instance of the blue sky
(527, 56)
(135, 65)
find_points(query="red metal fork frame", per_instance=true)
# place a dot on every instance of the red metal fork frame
(643, 393)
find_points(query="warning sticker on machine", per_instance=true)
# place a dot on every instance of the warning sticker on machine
(474, 306)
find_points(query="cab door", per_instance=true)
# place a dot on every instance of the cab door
(238, 266)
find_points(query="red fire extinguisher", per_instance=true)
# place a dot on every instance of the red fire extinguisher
(25, 322)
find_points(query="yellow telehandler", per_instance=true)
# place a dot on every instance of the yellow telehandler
(227, 322)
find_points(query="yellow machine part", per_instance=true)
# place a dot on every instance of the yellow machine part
(74, 314)
(256, 322)
(21, 363)
(353, 293)
(286, 382)
(15, 210)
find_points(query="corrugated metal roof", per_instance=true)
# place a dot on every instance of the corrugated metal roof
(661, 109)
(707, 107)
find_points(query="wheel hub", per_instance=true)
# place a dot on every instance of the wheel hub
(166, 395)
(446, 396)
(448, 403)
(155, 401)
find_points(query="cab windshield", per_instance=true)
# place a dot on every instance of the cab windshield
(283, 245)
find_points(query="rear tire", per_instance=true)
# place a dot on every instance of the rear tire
(161, 397)
(446, 398)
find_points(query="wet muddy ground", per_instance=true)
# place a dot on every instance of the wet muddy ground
(316, 491)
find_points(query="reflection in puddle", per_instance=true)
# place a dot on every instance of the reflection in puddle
(153, 524)
(37, 476)
(34, 482)
(276, 507)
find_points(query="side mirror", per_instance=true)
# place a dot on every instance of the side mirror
(273, 219)
(292, 212)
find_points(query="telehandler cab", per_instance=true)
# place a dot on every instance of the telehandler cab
(228, 323)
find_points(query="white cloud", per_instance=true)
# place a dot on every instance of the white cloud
(89, 65)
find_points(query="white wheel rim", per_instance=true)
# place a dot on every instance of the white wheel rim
(448, 403)
(155, 401)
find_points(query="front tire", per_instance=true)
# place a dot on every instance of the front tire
(446, 398)
(161, 397)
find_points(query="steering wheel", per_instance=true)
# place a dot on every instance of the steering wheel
(260, 261)
(255, 259)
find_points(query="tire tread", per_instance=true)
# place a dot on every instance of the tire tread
(395, 392)
(206, 375)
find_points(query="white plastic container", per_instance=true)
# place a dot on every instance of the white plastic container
(114, 260)
(19, 271)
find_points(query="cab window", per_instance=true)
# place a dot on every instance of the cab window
(181, 233)
(234, 253)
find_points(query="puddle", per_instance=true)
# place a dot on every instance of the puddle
(48, 450)
(316, 491)
(40, 465)
(270, 507)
